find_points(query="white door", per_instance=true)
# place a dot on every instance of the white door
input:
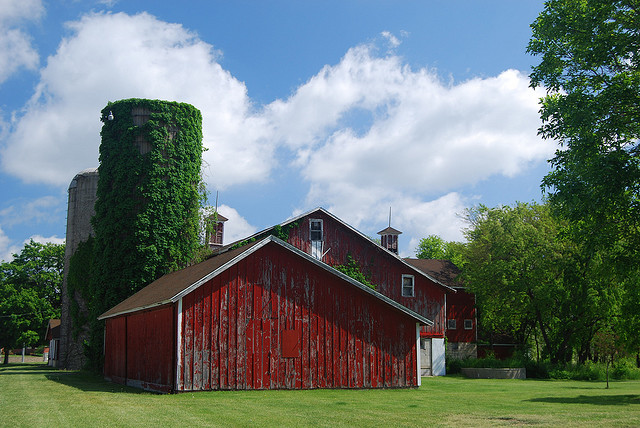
(438, 366)
(425, 356)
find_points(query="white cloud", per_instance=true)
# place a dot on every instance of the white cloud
(366, 133)
(44, 240)
(6, 249)
(20, 10)
(16, 50)
(236, 227)
(116, 56)
(40, 210)
(370, 129)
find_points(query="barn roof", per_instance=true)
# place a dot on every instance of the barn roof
(444, 271)
(172, 287)
(357, 232)
(53, 329)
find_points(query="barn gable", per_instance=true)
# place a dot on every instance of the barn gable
(262, 316)
(329, 239)
(391, 274)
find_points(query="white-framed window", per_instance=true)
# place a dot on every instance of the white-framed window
(316, 237)
(408, 286)
(451, 324)
(315, 229)
(468, 324)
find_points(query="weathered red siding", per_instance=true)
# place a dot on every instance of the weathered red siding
(233, 328)
(460, 307)
(384, 269)
(139, 349)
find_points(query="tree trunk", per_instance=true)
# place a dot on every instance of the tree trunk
(545, 337)
(6, 356)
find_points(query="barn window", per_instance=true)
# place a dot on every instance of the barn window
(315, 236)
(407, 286)
(451, 324)
(468, 324)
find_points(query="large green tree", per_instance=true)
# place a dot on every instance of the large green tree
(29, 294)
(590, 68)
(532, 281)
(39, 267)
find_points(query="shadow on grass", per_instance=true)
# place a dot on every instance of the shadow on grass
(600, 400)
(89, 382)
(24, 368)
(82, 380)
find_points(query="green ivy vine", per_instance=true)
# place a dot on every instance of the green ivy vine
(352, 269)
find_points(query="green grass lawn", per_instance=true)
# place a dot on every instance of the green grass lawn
(35, 395)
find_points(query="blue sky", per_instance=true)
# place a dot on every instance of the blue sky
(356, 106)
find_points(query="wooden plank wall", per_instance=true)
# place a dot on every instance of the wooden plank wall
(115, 356)
(139, 349)
(232, 330)
(385, 270)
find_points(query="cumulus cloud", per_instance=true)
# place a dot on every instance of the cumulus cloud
(115, 56)
(370, 129)
(6, 249)
(16, 50)
(39, 210)
(366, 133)
(236, 227)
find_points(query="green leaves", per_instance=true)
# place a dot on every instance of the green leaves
(352, 269)
(533, 281)
(30, 293)
(590, 66)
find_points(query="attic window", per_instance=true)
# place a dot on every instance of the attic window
(315, 236)
(407, 286)
(315, 230)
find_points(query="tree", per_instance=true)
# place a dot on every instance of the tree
(604, 343)
(29, 294)
(39, 267)
(434, 247)
(531, 280)
(512, 266)
(590, 67)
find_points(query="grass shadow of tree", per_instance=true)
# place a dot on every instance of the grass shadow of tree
(599, 400)
(12, 369)
(90, 382)
(82, 380)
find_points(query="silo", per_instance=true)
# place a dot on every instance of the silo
(141, 208)
(80, 210)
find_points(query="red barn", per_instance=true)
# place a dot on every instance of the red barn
(265, 315)
(329, 239)
(462, 336)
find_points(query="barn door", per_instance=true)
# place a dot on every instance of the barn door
(425, 356)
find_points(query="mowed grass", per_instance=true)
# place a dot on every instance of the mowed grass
(35, 395)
